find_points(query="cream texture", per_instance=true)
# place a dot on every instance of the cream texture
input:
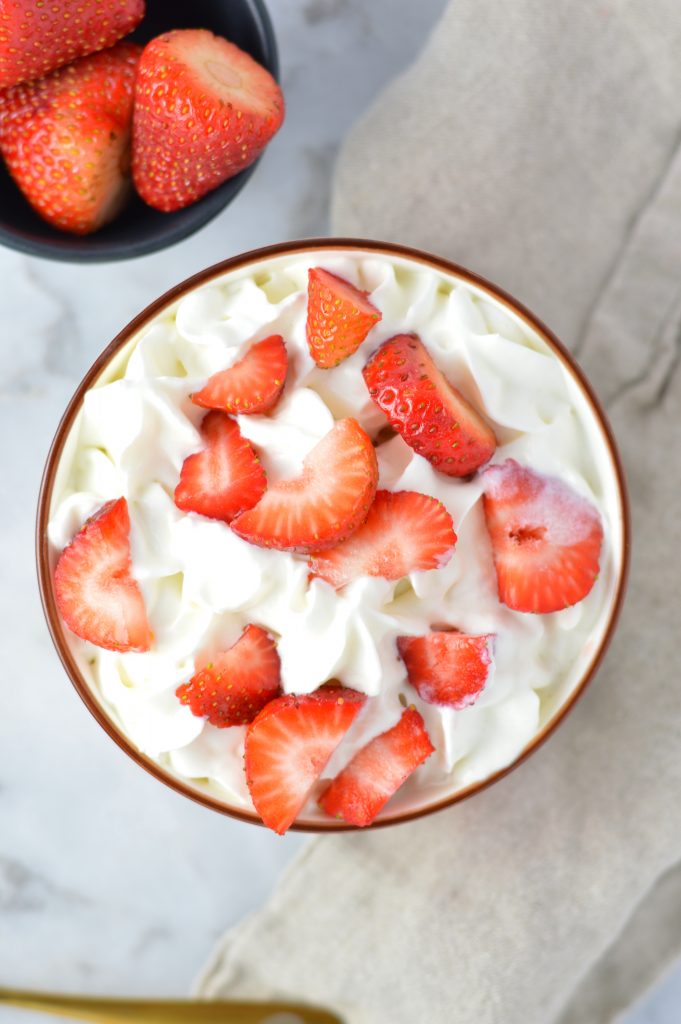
(202, 584)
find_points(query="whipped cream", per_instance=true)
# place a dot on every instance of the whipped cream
(202, 584)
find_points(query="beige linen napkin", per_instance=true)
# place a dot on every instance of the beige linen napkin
(535, 141)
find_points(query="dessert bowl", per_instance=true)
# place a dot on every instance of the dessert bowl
(515, 370)
(139, 229)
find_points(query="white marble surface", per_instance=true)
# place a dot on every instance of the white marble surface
(109, 882)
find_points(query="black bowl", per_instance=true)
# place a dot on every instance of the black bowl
(139, 229)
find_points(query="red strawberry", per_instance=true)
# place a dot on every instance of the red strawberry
(38, 36)
(204, 110)
(430, 414)
(377, 771)
(447, 668)
(339, 317)
(93, 584)
(322, 506)
(223, 479)
(252, 385)
(288, 746)
(546, 538)
(404, 532)
(66, 139)
(233, 686)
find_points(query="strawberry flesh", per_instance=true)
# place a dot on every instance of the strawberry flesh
(93, 584)
(66, 138)
(377, 771)
(37, 37)
(327, 502)
(447, 668)
(204, 110)
(252, 385)
(339, 317)
(233, 686)
(404, 532)
(288, 746)
(223, 479)
(430, 414)
(546, 538)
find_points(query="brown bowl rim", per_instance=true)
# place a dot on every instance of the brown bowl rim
(171, 296)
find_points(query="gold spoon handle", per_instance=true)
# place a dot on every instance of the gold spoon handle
(165, 1011)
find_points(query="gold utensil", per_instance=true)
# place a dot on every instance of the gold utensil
(165, 1011)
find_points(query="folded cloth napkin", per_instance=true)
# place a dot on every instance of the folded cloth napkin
(537, 143)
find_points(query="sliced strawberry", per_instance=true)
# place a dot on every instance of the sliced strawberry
(252, 385)
(37, 37)
(339, 317)
(223, 479)
(288, 746)
(377, 771)
(322, 506)
(204, 110)
(447, 668)
(66, 139)
(93, 584)
(430, 414)
(233, 686)
(546, 538)
(404, 532)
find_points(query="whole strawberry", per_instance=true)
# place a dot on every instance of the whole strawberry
(204, 110)
(37, 36)
(66, 139)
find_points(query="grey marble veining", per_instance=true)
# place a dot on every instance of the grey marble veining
(109, 882)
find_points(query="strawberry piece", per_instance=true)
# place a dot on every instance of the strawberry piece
(326, 503)
(204, 110)
(546, 538)
(253, 385)
(447, 668)
(93, 584)
(223, 479)
(37, 37)
(404, 532)
(289, 744)
(339, 317)
(232, 687)
(377, 771)
(430, 414)
(66, 139)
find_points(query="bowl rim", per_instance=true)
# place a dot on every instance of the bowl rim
(239, 262)
(67, 248)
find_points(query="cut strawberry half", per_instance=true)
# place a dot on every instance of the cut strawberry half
(253, 385)
(430, 414)
(94, 587)
(339, 317)
(447, 668)
(322, 506)
(204, 111)
(377, 771)
(288, 746)
(223, 479)
(404, 532)
(546, 538)
(233, 686)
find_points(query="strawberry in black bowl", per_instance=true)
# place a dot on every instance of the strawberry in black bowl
(102, 158)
